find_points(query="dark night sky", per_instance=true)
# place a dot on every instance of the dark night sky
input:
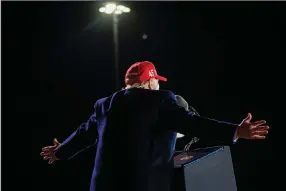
(224, 58)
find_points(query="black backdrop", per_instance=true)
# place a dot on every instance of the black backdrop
(225, 59)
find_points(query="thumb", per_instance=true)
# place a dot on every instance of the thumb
(248, 118)
(55, 141)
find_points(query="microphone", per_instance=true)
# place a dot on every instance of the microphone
(183, 103)
(191, 108)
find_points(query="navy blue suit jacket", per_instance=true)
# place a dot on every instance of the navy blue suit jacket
(142, 123)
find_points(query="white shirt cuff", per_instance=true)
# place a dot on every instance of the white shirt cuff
(235, 138)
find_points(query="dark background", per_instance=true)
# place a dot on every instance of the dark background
(225, 59)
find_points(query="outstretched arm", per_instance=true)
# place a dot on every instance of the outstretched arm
(177, 119)
(85, 136)
(191, 139)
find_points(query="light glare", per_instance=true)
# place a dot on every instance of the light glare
(126, 10)
(118, 12)
(112, 8)
(102, 9)
(120, 7)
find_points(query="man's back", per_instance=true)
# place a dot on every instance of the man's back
(130, 139)
(135, 129)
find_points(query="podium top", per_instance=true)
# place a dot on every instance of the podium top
(187, 158)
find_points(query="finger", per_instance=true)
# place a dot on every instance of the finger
(257, 123)
(51, 161)
(248, 118)
(260, 128)
(44, 153)
(46, 157)
(261, 132)
(47, 148)
(258, 137)
(55, 141)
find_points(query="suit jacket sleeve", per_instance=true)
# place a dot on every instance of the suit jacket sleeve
(175, 118)
(83, 137)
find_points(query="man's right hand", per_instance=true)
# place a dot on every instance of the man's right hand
(48, 152)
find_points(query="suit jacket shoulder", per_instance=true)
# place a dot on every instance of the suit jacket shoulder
(103, 105)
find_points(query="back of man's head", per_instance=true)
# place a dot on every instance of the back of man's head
(143, 75)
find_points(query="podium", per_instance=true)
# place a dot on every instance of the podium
(206, 169)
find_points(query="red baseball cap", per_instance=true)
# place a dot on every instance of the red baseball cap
(141, 72)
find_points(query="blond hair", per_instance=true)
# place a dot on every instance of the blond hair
(137, 85)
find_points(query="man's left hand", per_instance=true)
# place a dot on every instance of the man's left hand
(252, 130)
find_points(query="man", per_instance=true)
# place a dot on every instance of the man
(141, 120)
